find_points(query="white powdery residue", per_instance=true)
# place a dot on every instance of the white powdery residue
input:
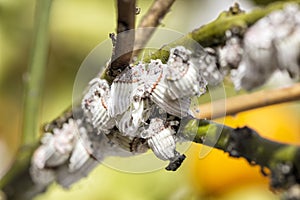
(65, 138)
(271, 43)
(230, 54)
(54, 151)
(287, 42)
(206, 63)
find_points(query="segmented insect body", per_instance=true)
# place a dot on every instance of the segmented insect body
(121, 90)
(121, 120)
(70, 152)
(124, 118)
(160, 94)
(131, 121)
(82, 150)
(137, 83)
(163, 144)
(95, 105)
(162, 141)
(181, 80)
(177, 107)
(139, 89)
(57, 149)
(181, 74)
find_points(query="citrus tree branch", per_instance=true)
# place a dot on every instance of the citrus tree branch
(152, 18)
(133, 40)
(281, 159)
(250, 101)
(250, 146)
(124, 43)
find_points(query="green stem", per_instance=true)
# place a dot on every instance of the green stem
(36, 73)
(33, 90)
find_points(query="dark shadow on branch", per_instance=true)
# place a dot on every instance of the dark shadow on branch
(124, 43)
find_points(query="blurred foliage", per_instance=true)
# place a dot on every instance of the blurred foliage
(264, 2)
(77, 26)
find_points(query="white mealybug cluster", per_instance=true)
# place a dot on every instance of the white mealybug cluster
(206, 62)
(139, 90)
(271, 43)
(60, 147)
(230, 55)
(135, 86)
(57, 146)
(140, 110)
(142, 107)
(181, 80)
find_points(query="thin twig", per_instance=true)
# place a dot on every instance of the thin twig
(125, 39)
(246, 102)
(36, 73)
(152, 18)
(33, 92)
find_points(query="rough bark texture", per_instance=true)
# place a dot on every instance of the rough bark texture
(281, 159)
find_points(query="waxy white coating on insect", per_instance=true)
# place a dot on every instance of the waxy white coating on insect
(57, 147)
(170, 86)
(82, 150)
(230, 55)
(277, 47)
(119, 111)
(162, 140)
(206, 63)
(288, 42)
(76, 162)
(56, 150)
(122, 88)
(182, 76)
(95, 104)
(156, 125)
(258, 61)
(140, 81)
(177, 107)
(70, 152)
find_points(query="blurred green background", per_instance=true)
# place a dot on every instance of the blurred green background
(76, 27)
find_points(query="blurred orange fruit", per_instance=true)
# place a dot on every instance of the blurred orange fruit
(217, 173)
